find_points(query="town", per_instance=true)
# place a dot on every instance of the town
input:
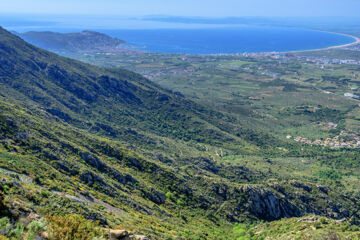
(344, 140)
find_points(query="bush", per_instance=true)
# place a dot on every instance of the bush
(329, 174)
(35, 228)
(323, 220)
(180, 203)
(5, 226)
(73, 227)
(169, 195)
(240, 231)
(18, 232)
(331, 236)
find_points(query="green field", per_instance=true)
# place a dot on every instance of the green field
(202, 147)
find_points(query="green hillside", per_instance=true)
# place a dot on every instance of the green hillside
(125, 153)
(82, 41)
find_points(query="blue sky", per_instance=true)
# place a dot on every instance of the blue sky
(206, 8)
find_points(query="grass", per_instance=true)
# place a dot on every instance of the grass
(309, 227)
(165, 165)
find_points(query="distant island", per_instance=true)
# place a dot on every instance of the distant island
(85, 41)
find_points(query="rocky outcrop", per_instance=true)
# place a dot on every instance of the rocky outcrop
(118, 234)
(295, 199)
(206, 164)
(264, 204)
(123, 178)
(91, 178)
(125, 235)
(301, 185)
(155, 196)
(95, 162)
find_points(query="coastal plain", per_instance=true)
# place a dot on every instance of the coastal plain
(249, 146)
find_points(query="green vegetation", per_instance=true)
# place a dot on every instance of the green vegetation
(70, 42)
(310, 227)
(68, 227)
(73, 227)
(95, 148)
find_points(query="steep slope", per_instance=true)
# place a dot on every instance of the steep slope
(75, 129)
(112, 146)
(103, 99)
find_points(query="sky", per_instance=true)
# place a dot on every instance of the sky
(202, 8)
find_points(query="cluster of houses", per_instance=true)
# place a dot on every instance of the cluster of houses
(311, 59)
(344, 140)
(351, 95)
(324, 60)
(355, 47)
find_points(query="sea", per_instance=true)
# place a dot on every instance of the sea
(183, 38)
(249, 39)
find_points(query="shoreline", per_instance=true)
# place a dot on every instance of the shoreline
(357, 41)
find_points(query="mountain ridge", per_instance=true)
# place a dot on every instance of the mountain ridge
(70, 131)
(84, 41)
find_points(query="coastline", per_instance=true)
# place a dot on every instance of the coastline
(357, 41)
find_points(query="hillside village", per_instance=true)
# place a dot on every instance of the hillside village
(344, 140)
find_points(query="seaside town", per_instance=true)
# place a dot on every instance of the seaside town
(310, 59)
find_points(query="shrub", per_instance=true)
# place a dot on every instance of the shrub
(323, 220)
(329, 174)
(240, 231)
(179, 202)
(18, 232)
(331, 236)
(5, 226)
(73, 227)
(35, 228)
(169, 195)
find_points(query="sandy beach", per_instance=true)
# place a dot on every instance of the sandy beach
(357, 41)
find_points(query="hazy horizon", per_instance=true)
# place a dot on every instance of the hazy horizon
(200, 8)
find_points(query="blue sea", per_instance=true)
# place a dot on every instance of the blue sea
(228, 40)
(189, 38)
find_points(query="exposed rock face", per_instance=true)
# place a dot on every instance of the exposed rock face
(140, 237)
(122, 178)
(95, 162)
(295, 199)
(206, 164)
(125, 235)
(118, 234)
(155, 196)
(91, 178)
(264, 204)
(300, 185)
